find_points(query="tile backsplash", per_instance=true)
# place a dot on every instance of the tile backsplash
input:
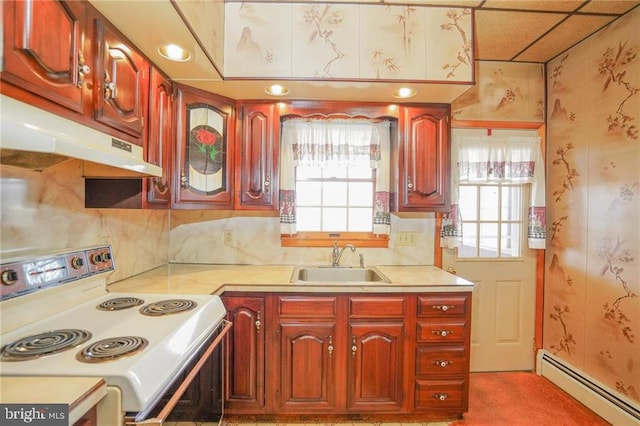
(44, 211)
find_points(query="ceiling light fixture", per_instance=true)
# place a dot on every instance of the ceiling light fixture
(276, 90)
(404, 92)
(173, 52)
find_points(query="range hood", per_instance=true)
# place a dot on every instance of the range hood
(36, 139)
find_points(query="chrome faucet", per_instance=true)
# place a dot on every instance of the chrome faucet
(337, 253)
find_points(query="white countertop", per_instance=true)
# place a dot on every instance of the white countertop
(216, 279)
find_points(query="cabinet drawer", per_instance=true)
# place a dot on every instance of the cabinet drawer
(442, 331)
(443, 306)
(440, 360)
(442, 394)
(307, 307)
(377, 307)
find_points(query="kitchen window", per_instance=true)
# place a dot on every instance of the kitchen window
(334, 182)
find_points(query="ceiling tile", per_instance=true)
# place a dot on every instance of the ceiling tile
(514, 31)
(610, 6)
(567, 34)
(538, 5)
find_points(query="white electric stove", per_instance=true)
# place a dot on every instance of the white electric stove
(58, 319)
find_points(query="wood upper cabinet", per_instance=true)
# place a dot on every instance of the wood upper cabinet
(422, 156)
(257, 150)
(203, 167)
(121, 82)
(45, 51)
(160, 140)
(245, 354)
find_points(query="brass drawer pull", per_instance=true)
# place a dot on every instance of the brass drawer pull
(442, 363)
(442, 333)
(440, 396)
(443, 308)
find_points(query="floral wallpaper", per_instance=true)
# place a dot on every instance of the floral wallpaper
(505, 91)
(592, 282)
(322, 40)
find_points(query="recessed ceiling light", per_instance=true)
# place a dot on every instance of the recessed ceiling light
(276, 90)
(404, 92)
(173, 52)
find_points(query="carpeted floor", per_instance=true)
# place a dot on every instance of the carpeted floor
(522, 399)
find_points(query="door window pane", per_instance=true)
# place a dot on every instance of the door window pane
(493, 222)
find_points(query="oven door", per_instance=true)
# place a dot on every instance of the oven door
(196, 394)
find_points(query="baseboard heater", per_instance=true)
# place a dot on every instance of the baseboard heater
(608, 404)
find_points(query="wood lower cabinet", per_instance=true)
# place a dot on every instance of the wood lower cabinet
(375, 373)
(307, 367)
(442, 353)
(372, 356)
(245, 354)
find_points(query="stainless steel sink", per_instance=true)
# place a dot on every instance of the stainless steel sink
(328, 274)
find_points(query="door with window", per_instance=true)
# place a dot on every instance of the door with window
(495, 256)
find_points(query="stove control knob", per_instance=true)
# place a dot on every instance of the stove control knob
(77, 262)
(9, 277)
(106, 256)
(95, 258)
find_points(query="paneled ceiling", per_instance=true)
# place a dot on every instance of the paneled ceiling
(505, 30)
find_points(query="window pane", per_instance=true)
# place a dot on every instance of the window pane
(334, 172)
(489, 203)
(511, 203)
(511, 240)
(361, 194)
(489, 240)
(309, 219)
(334, 219)
(468, 202)
(334, 194)
(360, 173)
(469, 241)
(308, 193)
(360, 220)
(303, 173)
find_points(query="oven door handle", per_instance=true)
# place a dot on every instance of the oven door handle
(166, 410)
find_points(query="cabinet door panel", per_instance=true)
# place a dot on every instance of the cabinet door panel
(121, 82)
(43, 49)
(203, 177)
(245, 353)
(424, 159)
(160, 140)
(307, 367)
(259, 152)
(375, 367)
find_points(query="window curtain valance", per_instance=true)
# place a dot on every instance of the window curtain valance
(331, 143)
(497, 159)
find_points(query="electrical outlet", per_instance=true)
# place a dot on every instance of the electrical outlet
(228, 237)
(406, 238)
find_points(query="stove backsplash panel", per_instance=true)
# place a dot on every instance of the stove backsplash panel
(44, 211)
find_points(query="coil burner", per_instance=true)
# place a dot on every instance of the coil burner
(42, 344)
(111, 349)
(119, 303)
(166, 307)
